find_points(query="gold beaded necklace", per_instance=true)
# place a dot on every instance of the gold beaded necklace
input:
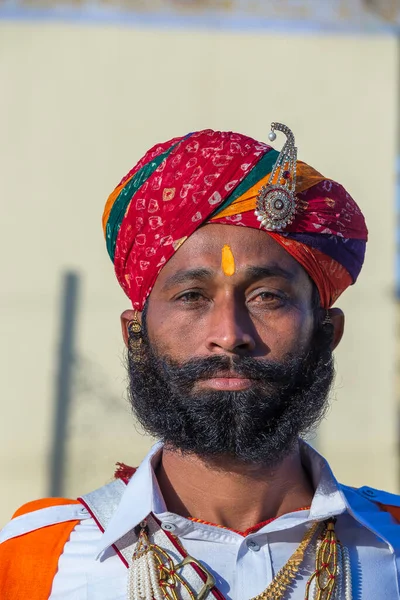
(287, 574)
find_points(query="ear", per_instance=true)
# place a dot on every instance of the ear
(126, 317)
(337, 318)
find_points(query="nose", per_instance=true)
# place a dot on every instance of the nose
(230, 329)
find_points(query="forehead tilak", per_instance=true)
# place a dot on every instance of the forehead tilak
(227, 261)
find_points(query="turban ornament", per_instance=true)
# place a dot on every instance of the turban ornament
(228, 178)
(276, 202)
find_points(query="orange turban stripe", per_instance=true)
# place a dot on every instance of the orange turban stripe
(330, 277)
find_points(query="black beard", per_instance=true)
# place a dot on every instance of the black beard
(258, 425)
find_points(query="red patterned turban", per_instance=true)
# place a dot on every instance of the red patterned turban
(214, 177)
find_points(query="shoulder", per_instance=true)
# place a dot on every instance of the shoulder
(379, 496)
(34, 505)
(40, 514)
(384, 500)
(377, 510)
(31, 544)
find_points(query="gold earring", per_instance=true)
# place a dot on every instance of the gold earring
(135, 337)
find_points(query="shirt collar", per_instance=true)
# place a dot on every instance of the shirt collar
(328, 500)
(142, 495)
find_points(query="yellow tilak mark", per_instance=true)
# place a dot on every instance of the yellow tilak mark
(227, 262)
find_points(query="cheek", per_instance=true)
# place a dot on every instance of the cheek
(290, 334)
(172, 335)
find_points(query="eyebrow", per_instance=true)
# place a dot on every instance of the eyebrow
(203, 274)
(271, 271)
(200, 274)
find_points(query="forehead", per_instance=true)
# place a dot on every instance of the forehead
(250, 247)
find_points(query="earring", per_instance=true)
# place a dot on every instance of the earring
(135, 337)
(327, 319)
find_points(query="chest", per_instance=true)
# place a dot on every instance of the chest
(242, 567)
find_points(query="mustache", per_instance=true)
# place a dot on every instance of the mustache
(263, 370)
(260, 424)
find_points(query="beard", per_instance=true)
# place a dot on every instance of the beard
(257, 425)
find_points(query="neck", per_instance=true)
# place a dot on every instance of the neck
(229, 493)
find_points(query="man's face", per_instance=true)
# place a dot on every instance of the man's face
(234, 360)
(263, 310)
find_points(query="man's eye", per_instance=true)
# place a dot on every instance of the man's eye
(191, 297)
(269, 299)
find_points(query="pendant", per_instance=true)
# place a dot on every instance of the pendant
(153, 574)
(276, 207)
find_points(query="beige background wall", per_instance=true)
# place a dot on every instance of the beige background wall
(78, 106)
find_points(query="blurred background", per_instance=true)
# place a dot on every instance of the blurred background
(86, 87)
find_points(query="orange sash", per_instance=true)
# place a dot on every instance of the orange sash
(28, 563)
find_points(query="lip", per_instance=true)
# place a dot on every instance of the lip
(227, 381)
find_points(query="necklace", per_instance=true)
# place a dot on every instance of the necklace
(252, 529)
(154, 575)
(287, 574)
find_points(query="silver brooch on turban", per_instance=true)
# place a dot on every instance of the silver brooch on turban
(276, 202)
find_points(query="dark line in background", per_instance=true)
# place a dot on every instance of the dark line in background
(64, 380)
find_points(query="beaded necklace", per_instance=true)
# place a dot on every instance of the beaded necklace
(252, 529)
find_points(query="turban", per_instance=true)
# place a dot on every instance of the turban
(215, 177)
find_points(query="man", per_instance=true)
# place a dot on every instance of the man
(232, 255)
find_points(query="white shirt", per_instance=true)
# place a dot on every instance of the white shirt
(243, 567)
(90, 569)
